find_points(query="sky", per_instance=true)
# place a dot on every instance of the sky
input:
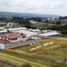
(55, 7)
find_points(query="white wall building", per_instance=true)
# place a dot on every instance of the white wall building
(51, 33)
(2, 46)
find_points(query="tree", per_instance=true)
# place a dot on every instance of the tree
(65, 59)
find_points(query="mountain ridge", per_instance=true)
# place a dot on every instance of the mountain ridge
(9, 14)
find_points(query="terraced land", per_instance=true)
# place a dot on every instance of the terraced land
(47, 52)
(42, 45)
(6, 64)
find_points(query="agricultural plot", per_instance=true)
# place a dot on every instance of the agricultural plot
(4, 64)
(40, 46)
(44, 53)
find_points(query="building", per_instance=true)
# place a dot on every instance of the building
(11, 36)
(49, 33)
(27, 33)
(11, 25)
(36, 30)
(14, 39)
(2, 23)
(33, 22)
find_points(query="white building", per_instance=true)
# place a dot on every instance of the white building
(33, 22)
(27, 32)
(36, 30)
(51, 33)
(2, 46)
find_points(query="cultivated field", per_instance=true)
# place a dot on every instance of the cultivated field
(40, 46)
(48, 52)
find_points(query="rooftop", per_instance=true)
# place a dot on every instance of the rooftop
(10, 35)
(4, 41)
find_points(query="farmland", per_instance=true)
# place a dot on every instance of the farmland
(41, 45)
(43, 53)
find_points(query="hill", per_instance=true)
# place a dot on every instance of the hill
(26, 15)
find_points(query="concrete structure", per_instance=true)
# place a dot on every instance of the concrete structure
(14, 39)
(33, 22)
(2, 23)
(11, 25)
(15, 44)
(50, 33)
(36, 30)
(27, 32)
(2, 46)
(45, 31)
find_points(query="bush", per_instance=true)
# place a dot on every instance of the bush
(26, 65)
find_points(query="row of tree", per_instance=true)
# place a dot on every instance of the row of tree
(25, 22)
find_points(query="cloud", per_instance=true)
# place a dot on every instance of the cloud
(35, 6)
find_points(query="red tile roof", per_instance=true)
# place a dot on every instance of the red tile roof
(11, 35)
(4, 41)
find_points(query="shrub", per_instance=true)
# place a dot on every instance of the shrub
(26, 65)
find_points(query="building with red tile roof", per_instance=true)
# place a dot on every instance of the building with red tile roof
(10, 36)
(4, 41)
(12, 39)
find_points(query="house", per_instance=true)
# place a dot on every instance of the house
(17, 29)
(13, 39)
(35, 30)
(33, 21)
(13, 25)
(45, 31)
(3, 42)
(27, 32)
(2, 23)
(2, 28)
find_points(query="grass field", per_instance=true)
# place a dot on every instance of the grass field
(41, 45)
(5, 64)
(63, 36)
(43, 53)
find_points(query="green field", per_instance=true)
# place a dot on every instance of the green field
(63, 36)
(39, 46)
(47, 53)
